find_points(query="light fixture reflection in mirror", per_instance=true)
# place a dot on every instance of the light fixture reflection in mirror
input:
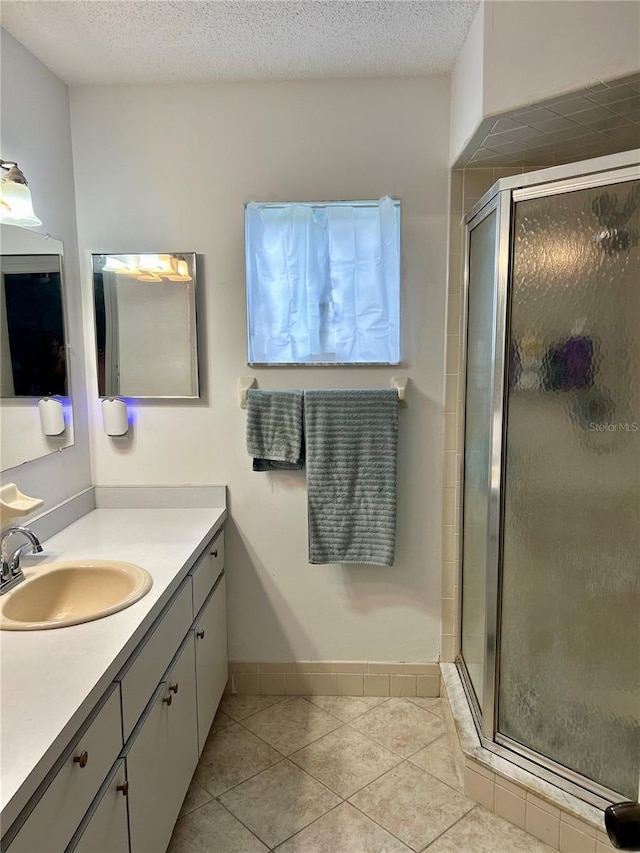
(146, 333)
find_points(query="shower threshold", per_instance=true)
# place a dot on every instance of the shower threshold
(513, 792)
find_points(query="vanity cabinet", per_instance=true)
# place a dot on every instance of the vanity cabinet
(119, 786)
(162, 755)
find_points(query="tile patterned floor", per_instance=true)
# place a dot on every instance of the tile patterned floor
(326, 774)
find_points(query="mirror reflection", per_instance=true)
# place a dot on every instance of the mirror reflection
(34, 352)
(32, 323)
(146, 334)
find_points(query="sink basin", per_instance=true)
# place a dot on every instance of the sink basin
(56, 595)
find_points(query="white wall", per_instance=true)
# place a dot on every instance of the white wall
(519, 52)
(467, 86)
(36, 131)
(169, 168)
(534, 49)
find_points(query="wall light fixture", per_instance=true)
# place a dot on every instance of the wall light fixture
(16, 207)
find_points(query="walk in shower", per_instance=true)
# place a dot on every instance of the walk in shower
(550, 520)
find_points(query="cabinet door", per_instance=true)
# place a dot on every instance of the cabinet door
(56, 815)
(211, 658)
(162, 756)
(145, 670)
(105, 829)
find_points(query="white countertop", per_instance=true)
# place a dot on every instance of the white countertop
(50, 680)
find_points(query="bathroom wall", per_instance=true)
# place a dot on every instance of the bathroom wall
(518, 53)
(169, 168)
(467, 86)
(578, 41)
(36, 131)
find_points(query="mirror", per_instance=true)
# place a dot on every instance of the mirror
(33, 352)
(33, 344)
(146, 332)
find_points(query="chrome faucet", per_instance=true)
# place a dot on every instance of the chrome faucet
(11, 571)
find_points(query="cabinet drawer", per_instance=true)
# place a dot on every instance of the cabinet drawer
(104, 829)
(207, 572)
(141, 677)
(57, 814)
(162, 755)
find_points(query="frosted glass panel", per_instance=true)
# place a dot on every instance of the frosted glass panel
(481, 310)
(570, 648)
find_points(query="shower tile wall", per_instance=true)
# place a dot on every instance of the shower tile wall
(467, 187)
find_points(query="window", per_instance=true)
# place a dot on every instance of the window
(323, 282)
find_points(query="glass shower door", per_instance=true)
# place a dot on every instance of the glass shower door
(569, 686)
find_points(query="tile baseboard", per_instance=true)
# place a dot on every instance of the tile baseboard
(334, 678)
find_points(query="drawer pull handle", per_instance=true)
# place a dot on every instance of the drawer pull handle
(82, 759)
(167, 699)
(124, 788)
(214, 553)
(200, 634)
(173, 688)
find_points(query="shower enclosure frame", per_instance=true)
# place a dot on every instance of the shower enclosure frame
(501, 199)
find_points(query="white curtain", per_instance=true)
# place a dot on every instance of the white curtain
(323, 282)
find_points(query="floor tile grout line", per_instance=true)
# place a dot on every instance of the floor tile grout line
(278, 700)
(370, 782)
(269, 767)
(342, 725)
(444, 832)
(342, 800)
(235, 817)
(348, 723)
(195, 808)
(315, 820)
(265, 742)
(285, 757)
(377, 823)
(433, 776)
(383, 699)
(422, 849)
(288, 754)
(253, 776)
(391, 749)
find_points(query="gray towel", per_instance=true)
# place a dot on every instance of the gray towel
(274, 430)
(351, 456)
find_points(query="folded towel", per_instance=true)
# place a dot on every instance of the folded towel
(274, 430)
(351, 457)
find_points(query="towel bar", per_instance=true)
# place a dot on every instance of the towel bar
(246, 382)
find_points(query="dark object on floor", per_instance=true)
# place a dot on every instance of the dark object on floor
(622, 821)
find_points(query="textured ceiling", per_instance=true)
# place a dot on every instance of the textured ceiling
(156, 41)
